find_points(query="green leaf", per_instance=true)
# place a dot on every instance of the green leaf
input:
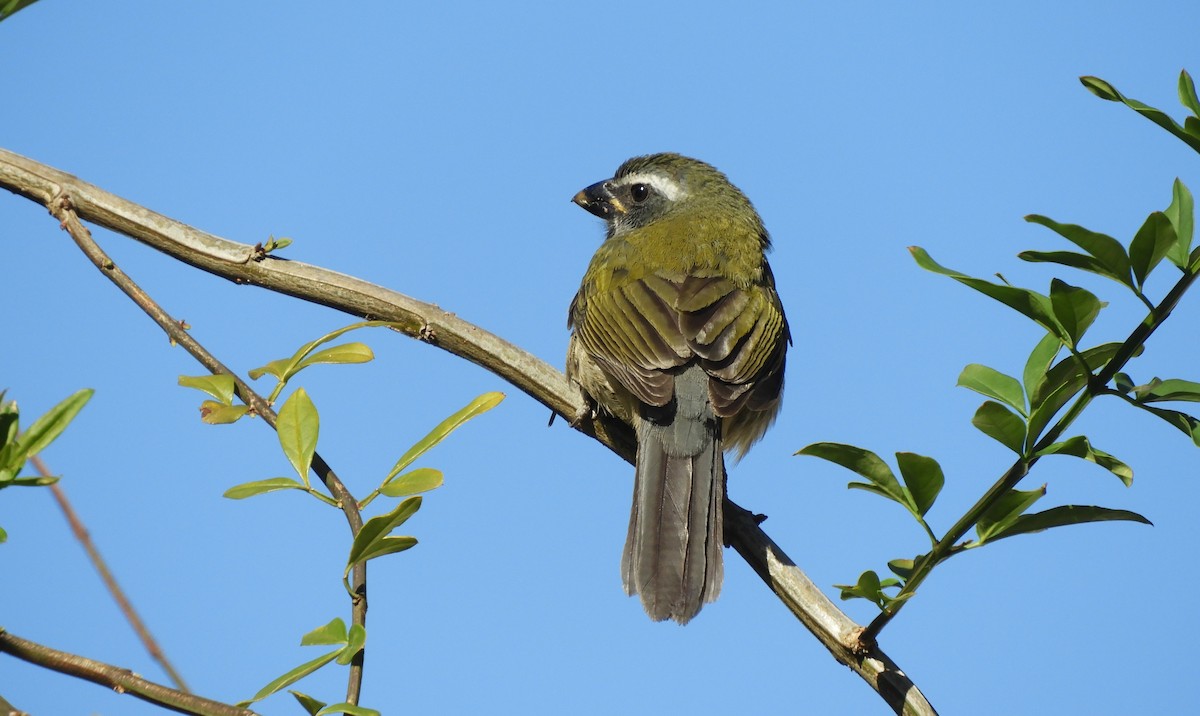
(358, 637)
(10, 419)
(1123, 382)
(214, 413)
(1104, 248)
(1104, 90)
(875, 489)
(11, 456)
(1030, 304)
(1100, 88)
(1139, 391)
(993, 384)
(1005, 511)
(48, 427)
(1080, 447)
(1182, 217)
(1187, 424)
(284, 368)
(298, 427)
(1039, 364)
(277, 368)
(292, 677)
(385, 546)
(308, 703)
(1187, 93)
(866, 463)
(1068, 371)
(870, 587)
(3, 536)
(1066, 515)
(345, 353)
(332, 633)
(39, 481)
(1075, 308)
(867, 587)
(476, 407)
(1064, 381)
(1001, 424)
(923, 477)
(347, 708)
(1150, 245)
(8, 7)
(275, 244)
(413, 482)
(902, 568)
(370, 539)
(1172, 389)
(219, 386)
(1073, 260)
(1047, 409)
(258, 487)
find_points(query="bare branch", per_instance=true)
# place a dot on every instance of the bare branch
(7, 709)
(123, 681)
(110, 581)
(830, 625)
(244, 264)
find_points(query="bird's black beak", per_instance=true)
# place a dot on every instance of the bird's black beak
(598, 199)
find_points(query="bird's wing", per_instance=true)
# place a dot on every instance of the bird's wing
(641, 330)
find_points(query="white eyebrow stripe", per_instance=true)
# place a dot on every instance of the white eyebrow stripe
(662, 183)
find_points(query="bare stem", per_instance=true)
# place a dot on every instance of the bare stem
(110, 581)
(7, 709)
(123, 681)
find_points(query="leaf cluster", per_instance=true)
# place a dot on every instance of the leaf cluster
(1031, 414)
(349, 643)
(222, 387)
(16, 448)
(298, 429)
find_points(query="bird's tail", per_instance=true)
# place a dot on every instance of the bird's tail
(673, 554)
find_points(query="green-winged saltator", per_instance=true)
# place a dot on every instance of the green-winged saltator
(677, 328)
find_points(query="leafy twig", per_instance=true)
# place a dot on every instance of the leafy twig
(1137, 338)
(122, 681)
(62, 209)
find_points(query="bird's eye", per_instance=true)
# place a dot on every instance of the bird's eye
(639, 192)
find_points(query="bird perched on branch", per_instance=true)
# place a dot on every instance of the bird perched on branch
(678, 329)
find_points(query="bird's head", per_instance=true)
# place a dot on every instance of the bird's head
(659, 187)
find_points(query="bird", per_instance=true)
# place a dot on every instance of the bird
(677, 328)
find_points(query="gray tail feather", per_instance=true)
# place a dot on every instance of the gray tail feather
(673, 554)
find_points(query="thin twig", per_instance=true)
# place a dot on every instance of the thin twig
(110, 581)
(245, 264)
(123, 681)
(61, 208)
(7, 709)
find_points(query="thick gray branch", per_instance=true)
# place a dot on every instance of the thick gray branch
(247, 265)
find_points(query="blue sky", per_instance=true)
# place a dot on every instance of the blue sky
(432, 148)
